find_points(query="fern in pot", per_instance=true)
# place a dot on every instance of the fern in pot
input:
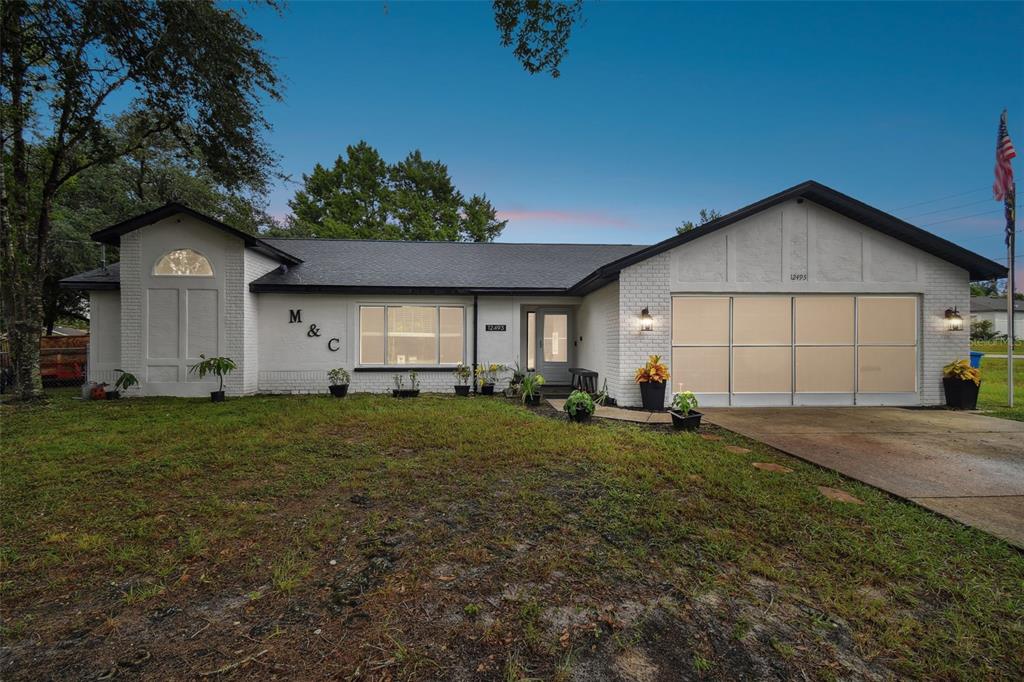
(339, 378)
(684, 411)
(216, 366)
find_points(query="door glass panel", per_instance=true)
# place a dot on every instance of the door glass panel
(824, 369)
(700, 369)
(762, 370)
(885, 320)
(824, 320)
(700, 321)
(762, 320)
(887, 369)
(556, 338)
(531, 341)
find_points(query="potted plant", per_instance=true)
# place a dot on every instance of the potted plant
(580, 406)
(339, 378)
(517, 375)
(487, 376)
(125, 381)
(652, 378)
(961, 382)
(462, 374)
(218, 367)
(531, 384)
(683, 411)
(400, 391)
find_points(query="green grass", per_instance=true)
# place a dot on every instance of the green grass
(992, 397)
(114, 511)
(998, 347)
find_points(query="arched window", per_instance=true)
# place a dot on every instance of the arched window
(183, 263)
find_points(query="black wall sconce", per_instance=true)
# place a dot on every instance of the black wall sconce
(954, 320)
(646, 321)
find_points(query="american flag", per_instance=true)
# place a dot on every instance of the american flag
(1003, 189)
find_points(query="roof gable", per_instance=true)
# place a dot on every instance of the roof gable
(112, 235)
(978, 266)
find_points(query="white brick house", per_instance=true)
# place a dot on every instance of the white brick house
(805, 297)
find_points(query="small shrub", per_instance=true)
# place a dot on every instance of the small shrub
(217, 366)
(530, 385)
(684, 402)
(338, 376)
(655, 371)
(961, 369)
(462, 374)
(579, 401)
(125, 380)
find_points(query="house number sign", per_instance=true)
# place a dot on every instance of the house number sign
(295, 316)
(494, 327)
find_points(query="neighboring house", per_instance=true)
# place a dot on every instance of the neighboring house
(807, 297)
(994, 310)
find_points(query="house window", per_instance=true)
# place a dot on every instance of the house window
(417, 335)
(183, 263)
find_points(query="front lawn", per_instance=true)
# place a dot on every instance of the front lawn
(992, 395)
(440, 538)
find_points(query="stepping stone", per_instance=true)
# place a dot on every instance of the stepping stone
(771, 466)
(838, 495)
(710, 436)
(736, 449)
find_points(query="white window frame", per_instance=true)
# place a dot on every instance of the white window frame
(437, 336)
(213, 271)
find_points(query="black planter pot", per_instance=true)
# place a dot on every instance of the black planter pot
(961, 393)
(405, 392)
(462, 390)
(339, 390)
(534, 400)
(487, 389)
(580, 417)
(689, 422)
(653, 395)
(113, 395)
(217, 396)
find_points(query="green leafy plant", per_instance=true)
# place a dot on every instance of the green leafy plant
(462, 374)
(684, 402)
(489, 374)
(217, 366)
(579, 401)
(531, 386)
(517, 374)
(338, 376)
(961, 369)
(125, 380)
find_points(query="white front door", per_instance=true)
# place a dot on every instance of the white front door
(553, 344)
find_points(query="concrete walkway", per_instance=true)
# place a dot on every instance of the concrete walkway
(965, 466)
(635, 416)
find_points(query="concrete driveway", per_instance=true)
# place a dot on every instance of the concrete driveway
(964, 466)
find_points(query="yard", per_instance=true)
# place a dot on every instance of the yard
(372, 538)
(992, 395)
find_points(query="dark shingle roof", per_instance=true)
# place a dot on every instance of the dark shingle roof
(100, 278)
(990, 304)
(338, 264)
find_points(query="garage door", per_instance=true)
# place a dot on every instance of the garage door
(796, 350)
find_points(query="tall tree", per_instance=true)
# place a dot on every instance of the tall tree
(191, 69)
(364, 197)
(705, 216)
(538, 31)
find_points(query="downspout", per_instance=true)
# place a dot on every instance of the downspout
(475, 341)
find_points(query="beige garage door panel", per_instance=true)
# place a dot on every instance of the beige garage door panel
(701, 370)
(887, 369)
(824, 369)
(762, 370)
(762, 320)
(883, 320)
(700, 321)
(824, 320)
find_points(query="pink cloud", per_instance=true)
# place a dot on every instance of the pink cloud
(565, 217)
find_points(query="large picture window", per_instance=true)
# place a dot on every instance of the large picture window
(418, 335)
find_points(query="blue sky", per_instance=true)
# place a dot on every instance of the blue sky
(662, 109)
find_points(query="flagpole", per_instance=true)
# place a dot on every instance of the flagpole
(1011, 231)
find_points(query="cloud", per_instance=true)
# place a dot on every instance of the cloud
(585, 218)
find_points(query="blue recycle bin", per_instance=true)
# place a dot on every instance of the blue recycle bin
(976, 356)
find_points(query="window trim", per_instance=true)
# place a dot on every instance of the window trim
(156, 263)
(437, 337)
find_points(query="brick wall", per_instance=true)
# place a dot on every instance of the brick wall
(132, 319)
(254, 266)
(315, 381)
(644, 285)
(946, 286)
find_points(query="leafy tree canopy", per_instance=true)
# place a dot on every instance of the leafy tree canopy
(537, 31)
(705, 216)
(364, 197)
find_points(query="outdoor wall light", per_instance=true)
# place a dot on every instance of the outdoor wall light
(954, 320)
(646, 321)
